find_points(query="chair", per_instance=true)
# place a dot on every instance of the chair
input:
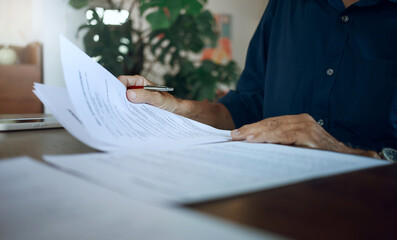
(16, 81)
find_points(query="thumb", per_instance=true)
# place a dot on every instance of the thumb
(161, 100)
(143, 96)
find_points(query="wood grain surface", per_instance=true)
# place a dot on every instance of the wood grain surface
(356, 205)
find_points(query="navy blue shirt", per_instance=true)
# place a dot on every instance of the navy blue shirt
(338, 65)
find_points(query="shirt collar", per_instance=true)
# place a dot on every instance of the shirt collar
(340, 7)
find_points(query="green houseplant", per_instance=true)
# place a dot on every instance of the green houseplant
(165, 32)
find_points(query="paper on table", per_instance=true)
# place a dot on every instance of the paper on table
(100, 103)
(38, 202)
(208, 171)
(57, 100)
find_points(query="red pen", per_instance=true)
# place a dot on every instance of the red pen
(153, 88)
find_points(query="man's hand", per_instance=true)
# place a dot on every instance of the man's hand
(214, 114)
(299, 130)
(162, 100)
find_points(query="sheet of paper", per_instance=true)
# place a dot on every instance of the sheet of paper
(39, 202)
(209, 171)
(100, 102)
(57, 100)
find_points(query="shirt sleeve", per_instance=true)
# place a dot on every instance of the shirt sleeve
(245, 104)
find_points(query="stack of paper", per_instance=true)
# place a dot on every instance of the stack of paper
(208, 171)
(39, 202)
(160, 157)
(94, 108)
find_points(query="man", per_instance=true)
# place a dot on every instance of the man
(319, 74)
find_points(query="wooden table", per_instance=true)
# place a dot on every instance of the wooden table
(357, 205)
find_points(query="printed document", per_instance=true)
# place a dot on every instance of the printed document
(208, 171)
(96, 102)
(160, 157)
(40, 203)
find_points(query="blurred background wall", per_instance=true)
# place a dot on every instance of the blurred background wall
(245, 18)
(25, 21)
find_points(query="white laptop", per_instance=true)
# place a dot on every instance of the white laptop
(12, 122)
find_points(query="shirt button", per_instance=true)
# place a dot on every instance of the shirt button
(320, 122)
(330, 71)
(345, 19)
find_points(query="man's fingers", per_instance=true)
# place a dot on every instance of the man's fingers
(266, 125)
(131, 96)
(271, 132)
(281, 137)
(142, 96)
(300, 130)
(161, 100)
(135, 80)
(244, 131)
(270, 125)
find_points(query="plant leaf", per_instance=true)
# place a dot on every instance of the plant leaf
(158, 20)
(193, 7)
(78, 4)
